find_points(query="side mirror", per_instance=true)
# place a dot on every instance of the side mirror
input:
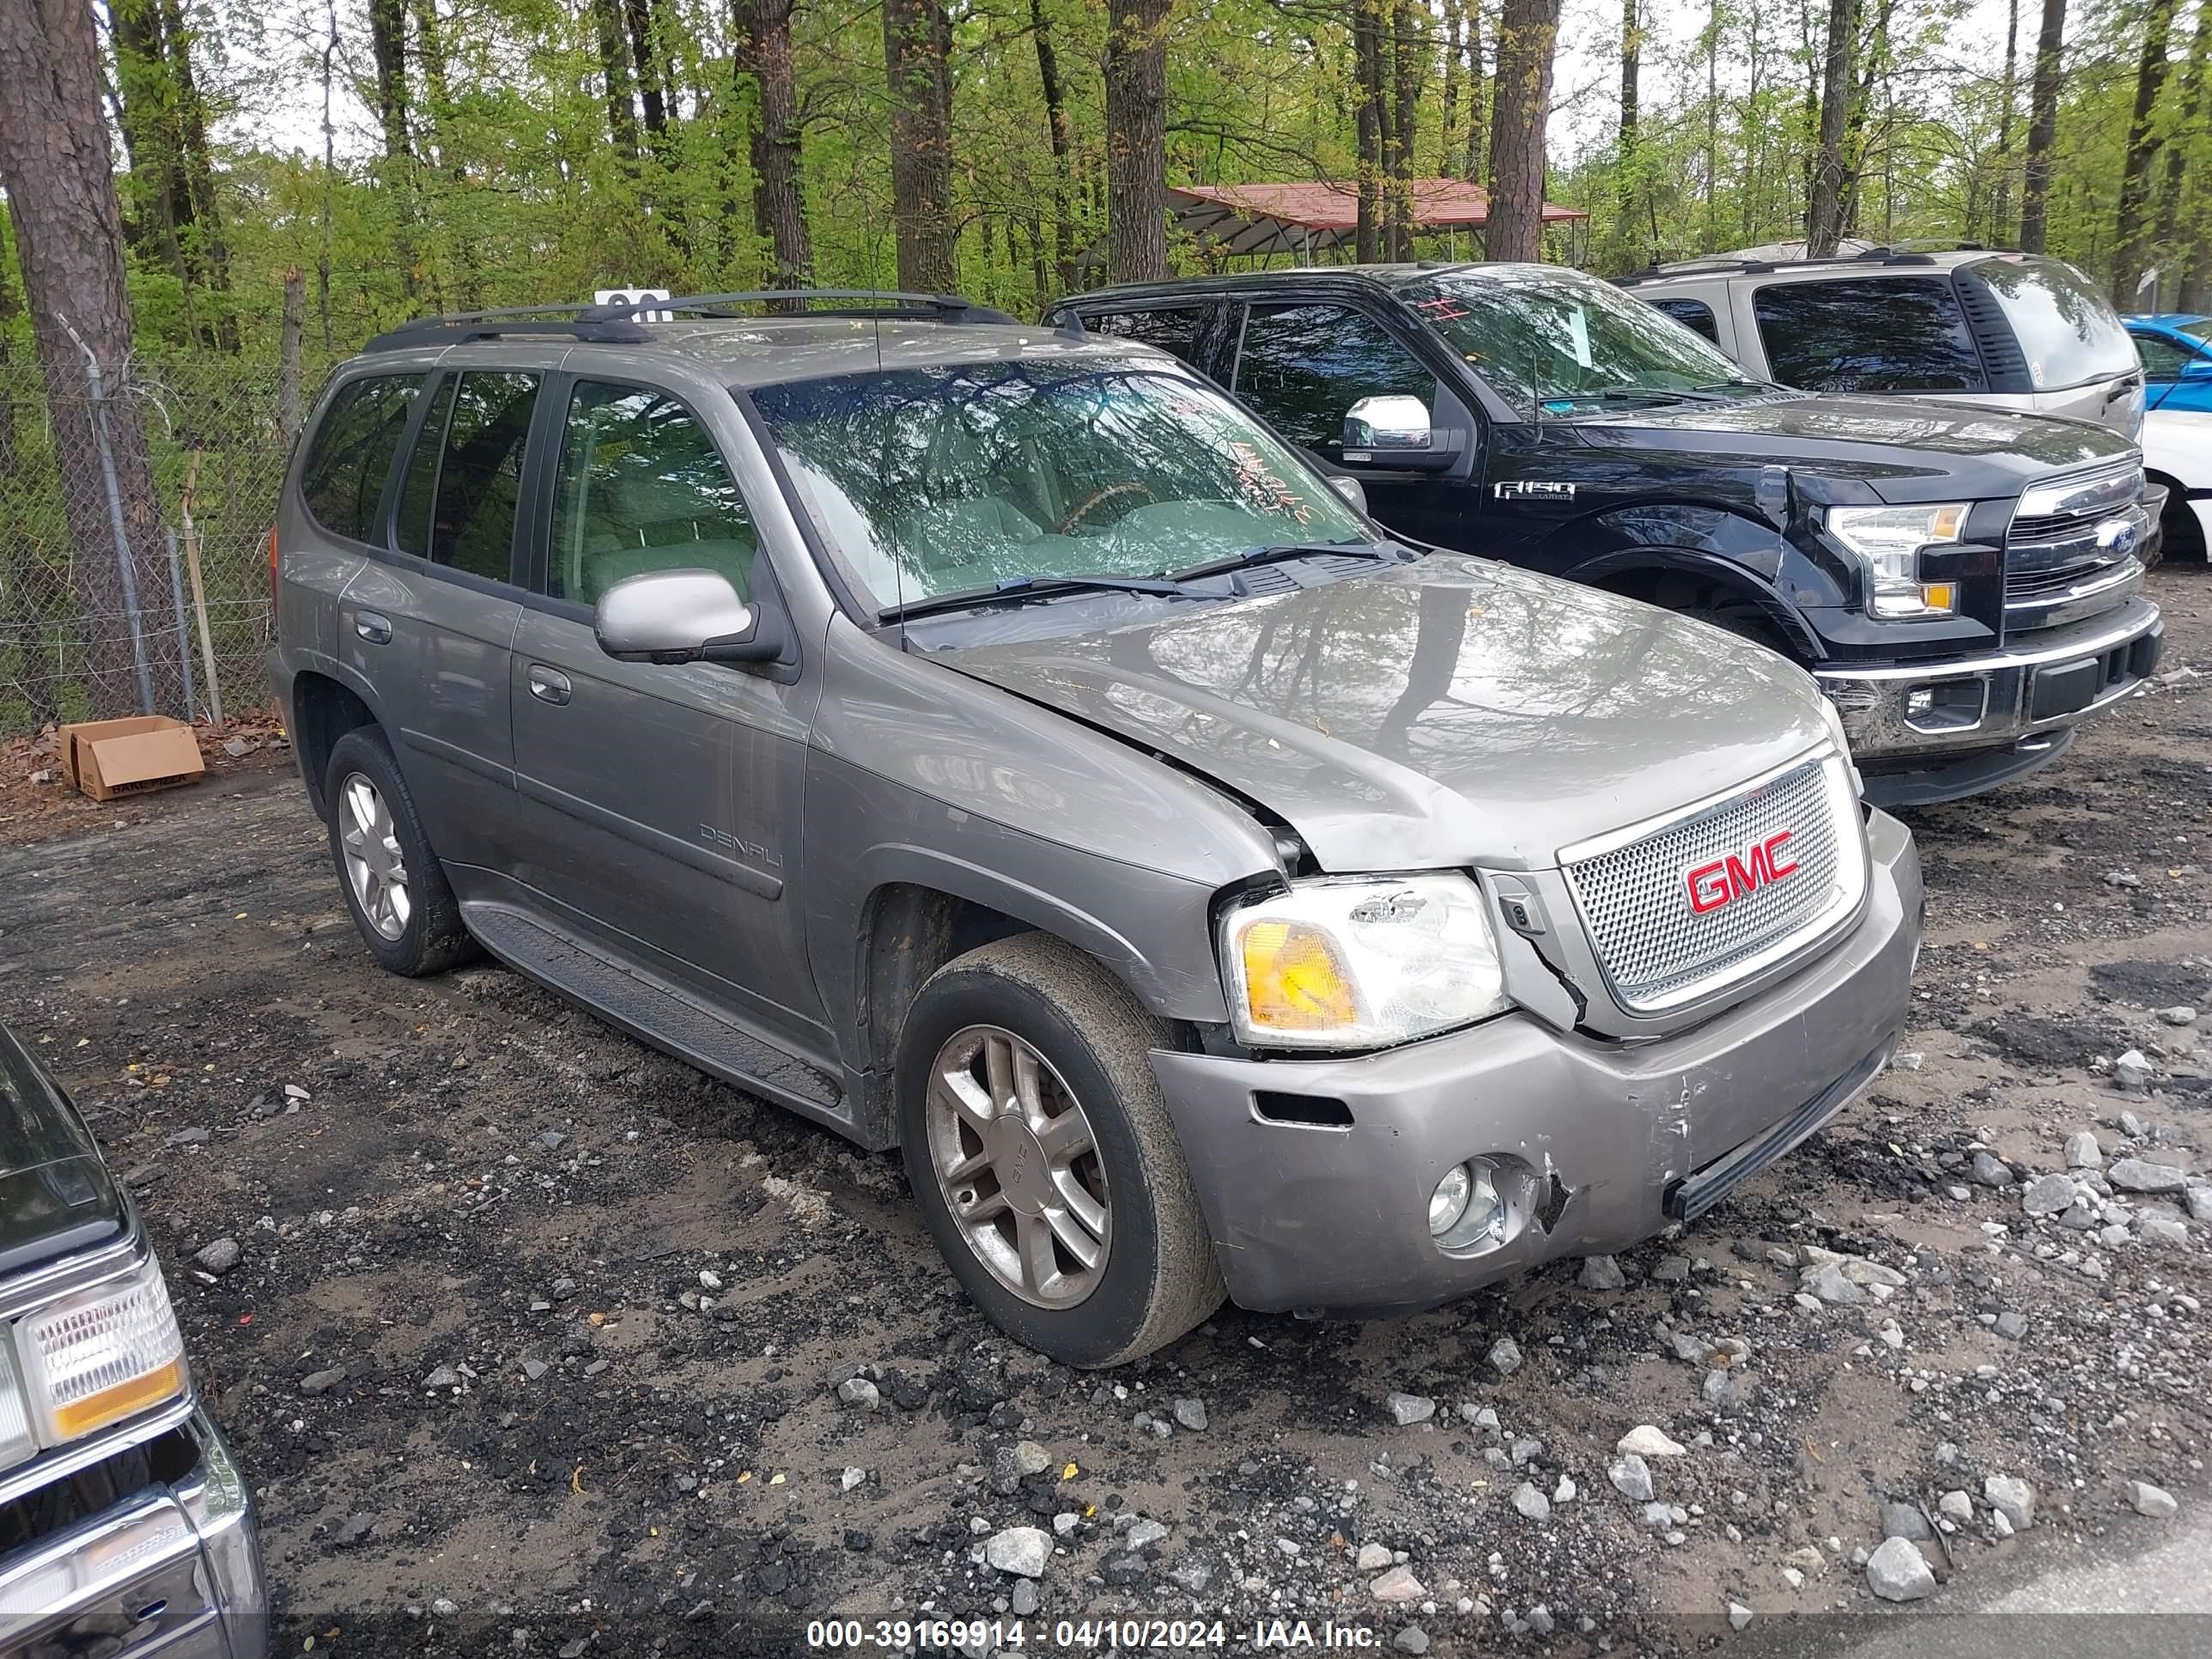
(684, 616)
(1393, 431)
(2197, 369)
(1351, 489)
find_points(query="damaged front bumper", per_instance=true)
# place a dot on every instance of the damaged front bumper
(1315, 1176)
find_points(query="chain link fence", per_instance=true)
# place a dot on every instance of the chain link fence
(134, 577)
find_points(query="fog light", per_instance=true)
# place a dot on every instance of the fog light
(1449, 1202)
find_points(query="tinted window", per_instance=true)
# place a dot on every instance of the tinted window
(343, 478)
(1174, 330)
(1302, 367)
(2161, 358)
(2067, 329)
(1693, 314)
(1868, 334)
(470, 472)
(640, 489)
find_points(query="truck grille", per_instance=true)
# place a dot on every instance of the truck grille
(1635, 897)
(2057, 569)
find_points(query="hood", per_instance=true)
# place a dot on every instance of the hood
(56, 1196)
(1906, 449)
(1444, 712)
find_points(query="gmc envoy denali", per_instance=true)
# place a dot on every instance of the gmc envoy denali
(994, 742)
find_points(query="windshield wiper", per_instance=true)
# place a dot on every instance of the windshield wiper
(1664, 394)
(1745, 382)
(1033, 587)
(1252, 556)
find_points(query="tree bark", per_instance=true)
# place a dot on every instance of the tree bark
(763, 52)
(614, 70)
(2187, 229)
(1136, 141)
(638, 14)
(1873, 60)
(1367, 80)
(917, 48)
(1409, 50)
(2007, 95)
(438, 99)
(55, 165)
(2133, 235)
(1063, 143)
(1528, 30)
(1632, 52)
(1824, 198)
(176, 218)
(1454, 45)
(1478, 101)
(2042, 125)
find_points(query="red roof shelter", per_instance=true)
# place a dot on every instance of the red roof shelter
(1307, 218)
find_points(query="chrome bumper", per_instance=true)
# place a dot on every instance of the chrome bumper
(1970, 706)
(173, 1569)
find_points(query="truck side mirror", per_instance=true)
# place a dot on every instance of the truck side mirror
(684, 616)
(1394, 430)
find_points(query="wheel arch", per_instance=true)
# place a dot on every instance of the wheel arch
(1662, 575)
(323, 709)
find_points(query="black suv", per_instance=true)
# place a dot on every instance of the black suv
(1966, 583)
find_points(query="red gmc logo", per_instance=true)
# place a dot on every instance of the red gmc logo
(1725, 880)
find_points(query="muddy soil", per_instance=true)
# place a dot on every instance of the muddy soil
(535, 1342)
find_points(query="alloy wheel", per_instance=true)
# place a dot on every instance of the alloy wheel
(375, 868)
(1018, 1166)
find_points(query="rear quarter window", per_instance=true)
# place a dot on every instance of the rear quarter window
(1868, 334)
(1693, 314)
(343, 478)
(1174, 329)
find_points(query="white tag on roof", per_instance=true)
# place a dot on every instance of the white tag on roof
(632, 296)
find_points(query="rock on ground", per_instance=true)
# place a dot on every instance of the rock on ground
(1505, 1356)
(1532, 1504)
(2047, 1195)
(2134, 1174)
(1407, 1409)
(1646, 1440)
(2082, 1152)
(1898, 1572)
(220, 1257)
(2155, 1502)
(1022, 1550)
(1601, 1272)
(2013, 1499)
(1632, 1479)
(1396, 1586)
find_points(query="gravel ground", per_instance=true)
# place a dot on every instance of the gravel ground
(531, 1341)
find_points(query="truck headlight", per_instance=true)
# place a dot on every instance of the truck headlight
(96, 1358)
(1359, 961)
(17, 1443)
(1888, 541)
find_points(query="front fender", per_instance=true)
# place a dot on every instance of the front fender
(1605, 570)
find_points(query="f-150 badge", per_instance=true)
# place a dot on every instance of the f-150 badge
(1538, 488)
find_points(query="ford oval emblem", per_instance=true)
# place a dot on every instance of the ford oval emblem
(2116, 536)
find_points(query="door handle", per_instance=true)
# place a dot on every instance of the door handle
(376, 630)
(549, 684)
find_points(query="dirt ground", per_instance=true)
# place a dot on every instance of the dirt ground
(535, 1340)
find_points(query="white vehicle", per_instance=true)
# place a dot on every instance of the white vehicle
(2176, 447)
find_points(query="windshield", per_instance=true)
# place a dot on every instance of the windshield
(1539, 334)
(2067, 330)
(940, 480)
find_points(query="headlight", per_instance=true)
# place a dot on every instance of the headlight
(94, 1360)
(1359, 962)
(1889, 539)
(16, 1444)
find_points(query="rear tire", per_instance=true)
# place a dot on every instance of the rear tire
(395, 887)
(2182, 542)
(1026, 1032)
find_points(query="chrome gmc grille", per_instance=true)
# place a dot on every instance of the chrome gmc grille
(1658, 950)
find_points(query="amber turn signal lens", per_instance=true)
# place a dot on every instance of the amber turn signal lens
(1294, 979)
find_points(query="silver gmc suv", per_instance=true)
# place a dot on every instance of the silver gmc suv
(992, 741)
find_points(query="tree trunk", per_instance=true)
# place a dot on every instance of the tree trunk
(1825, 190)
(438, 95)
(141, 83)
(1056, 115)
(917, 46)
(1454, 44)
(2007, 95)
(1477, 102)
(614, 69)
(176, 219)
(2132, 235)
(2042, 125)
(1528, 30)
(1136, 141)
(1873, 60)
(291, 331)
(2186, 229)
(763, 52)
(1367, 79)
(1632, 51)
(1409, 50)
(55, 164)
(638, 14)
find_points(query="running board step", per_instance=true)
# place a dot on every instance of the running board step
(656, 1013)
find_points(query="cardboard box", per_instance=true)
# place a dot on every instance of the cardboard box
(107, 758)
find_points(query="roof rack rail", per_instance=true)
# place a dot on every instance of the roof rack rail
(1914, 253)
(617, 322)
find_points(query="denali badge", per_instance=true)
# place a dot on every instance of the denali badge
(1724, 880)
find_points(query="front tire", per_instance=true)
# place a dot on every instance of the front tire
(1043, 1158)
(397, 889)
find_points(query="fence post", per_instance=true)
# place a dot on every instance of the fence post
(199, 590)
(184, 645)
(122, 534)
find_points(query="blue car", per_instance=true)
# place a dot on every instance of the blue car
(2175, 348)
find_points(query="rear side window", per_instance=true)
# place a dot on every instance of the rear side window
(1693, 314)
(343, 479)
(464, 481)
(1174, 330)
(642, 489)
(1868, 334)
(1303, 366)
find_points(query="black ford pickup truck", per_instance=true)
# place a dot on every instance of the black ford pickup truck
(1966, 583)
(125, 1529)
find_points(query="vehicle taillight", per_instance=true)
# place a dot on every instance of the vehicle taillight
(272, 573)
